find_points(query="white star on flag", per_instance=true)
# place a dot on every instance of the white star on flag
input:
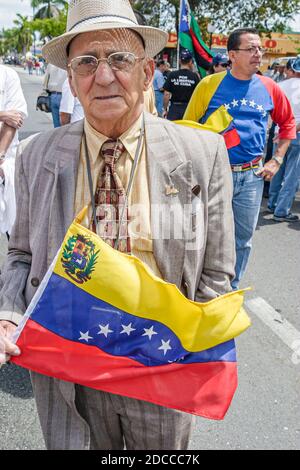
(260, 108)
(165, 346)
(149, 332)
(244, 102)
(227, 106)
(127, 329)
(84, 336)
(104, 330)
(185, 18)
(252, 104)
(264, 114)
(235, 103)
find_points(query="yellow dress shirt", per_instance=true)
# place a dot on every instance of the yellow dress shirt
(139, 199)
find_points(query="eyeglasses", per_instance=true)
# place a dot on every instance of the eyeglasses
(118, 62)
(252, 50)
(224, 65)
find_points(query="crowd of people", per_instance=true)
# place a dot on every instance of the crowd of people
(264, 108)
(35, 65)
(211, 161)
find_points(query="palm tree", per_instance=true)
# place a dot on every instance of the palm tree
(23, 33)
(8, 41)
(47, 8)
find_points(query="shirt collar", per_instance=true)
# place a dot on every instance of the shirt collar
(129, 138)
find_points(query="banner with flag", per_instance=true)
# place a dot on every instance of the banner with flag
(102, 319)
(190, 38)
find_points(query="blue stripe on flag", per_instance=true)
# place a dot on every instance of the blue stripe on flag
(75, 315)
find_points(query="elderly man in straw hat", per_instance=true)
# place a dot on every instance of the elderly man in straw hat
(171, 172)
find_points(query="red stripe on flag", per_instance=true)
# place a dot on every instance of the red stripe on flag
(204, 389)
(232, 138)
(199, 48)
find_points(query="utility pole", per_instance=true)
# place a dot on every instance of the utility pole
(33, 13)
(211, 28)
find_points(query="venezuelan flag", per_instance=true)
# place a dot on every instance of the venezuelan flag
(219, 122)
(102, 319)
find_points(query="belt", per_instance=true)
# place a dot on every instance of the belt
(246, 166)
(55, 92)
(179, 102)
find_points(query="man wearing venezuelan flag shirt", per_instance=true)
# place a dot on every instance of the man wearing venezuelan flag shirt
(248, 98)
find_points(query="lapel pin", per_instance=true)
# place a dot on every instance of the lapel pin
(171, 190)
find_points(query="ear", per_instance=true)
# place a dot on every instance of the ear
(232, 55)
(149, 68)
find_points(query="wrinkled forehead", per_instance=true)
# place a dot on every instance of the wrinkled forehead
(114, 40)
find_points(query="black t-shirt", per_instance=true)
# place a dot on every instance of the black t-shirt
(181, 84)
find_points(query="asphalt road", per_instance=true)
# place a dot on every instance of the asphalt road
(265, 410)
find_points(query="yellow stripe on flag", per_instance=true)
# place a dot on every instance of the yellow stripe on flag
(128, 284)
(217, 122)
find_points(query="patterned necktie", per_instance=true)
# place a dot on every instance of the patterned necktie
(110, 199)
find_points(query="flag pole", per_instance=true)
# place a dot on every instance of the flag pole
(178, 34)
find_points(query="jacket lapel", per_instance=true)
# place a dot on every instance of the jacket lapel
(63, 162)
(170, 183)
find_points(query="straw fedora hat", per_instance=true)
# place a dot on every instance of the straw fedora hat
(93, 15)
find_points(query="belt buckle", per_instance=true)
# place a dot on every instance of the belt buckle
(236, 168)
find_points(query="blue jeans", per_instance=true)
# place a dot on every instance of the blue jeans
(55, 104)
(285, 183)
(247, 196)
(159, 101)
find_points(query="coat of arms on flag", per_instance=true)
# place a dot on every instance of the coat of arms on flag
(102, 319)
(79, 258)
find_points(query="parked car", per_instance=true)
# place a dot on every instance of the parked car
(281, 61)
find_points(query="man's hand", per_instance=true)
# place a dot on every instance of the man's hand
(269, 170)
(7, 348)
(12, 118)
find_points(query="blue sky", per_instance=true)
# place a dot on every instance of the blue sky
(9, 8)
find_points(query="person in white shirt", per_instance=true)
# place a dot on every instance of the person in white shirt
(13, 110)
(70, 109)
(285, 183)
(53, 82)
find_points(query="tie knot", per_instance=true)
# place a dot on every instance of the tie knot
(111, 150)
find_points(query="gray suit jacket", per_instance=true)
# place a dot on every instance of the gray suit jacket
(196, 252)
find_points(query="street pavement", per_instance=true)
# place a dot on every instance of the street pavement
(265, 409)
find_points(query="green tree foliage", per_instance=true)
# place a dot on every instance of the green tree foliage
(150, 9)
(8, 41)
(47, 8)
(23, 32)
(265, 15)
(50, 20)
(17, 39)
(51, 27)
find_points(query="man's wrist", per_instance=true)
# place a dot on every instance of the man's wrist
(278, 159)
